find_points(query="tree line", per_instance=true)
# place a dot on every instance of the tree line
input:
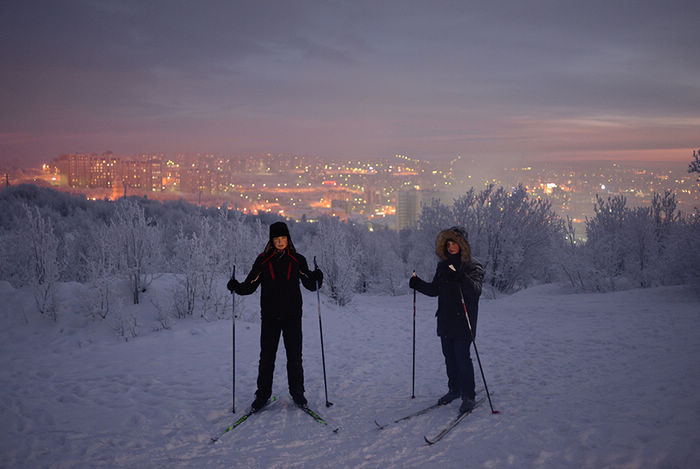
(47, 237)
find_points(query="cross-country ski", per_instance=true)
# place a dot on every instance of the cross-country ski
(452, 424)
(242, 419)
(422, 411)
(314, 415)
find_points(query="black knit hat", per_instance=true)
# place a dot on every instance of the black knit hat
(461, 232)
(278, 229)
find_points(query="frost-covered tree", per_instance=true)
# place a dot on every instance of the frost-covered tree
(417, 251)
(199, 265)
(381, 267)
(100, 264)
(642, 250)
(572, 261)
(521, 233)
(338, 257)
(137, 243)
(189, 260)
(694, 166)
(42, 264)
(606, 236)
(12, 257)
(677, 241)
(640, 244)
(472, 210)
(512, 235)
(436, 217)
(689, 251)
(203, 260)
(213, 296)
(242, 239)
(665, 222)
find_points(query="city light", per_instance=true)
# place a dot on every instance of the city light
(298, 186)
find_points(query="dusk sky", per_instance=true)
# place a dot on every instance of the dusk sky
(494, 80)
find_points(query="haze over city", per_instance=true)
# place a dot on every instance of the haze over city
(497, 82)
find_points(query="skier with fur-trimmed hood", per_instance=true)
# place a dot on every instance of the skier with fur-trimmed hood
(456, 270)
(279, 269)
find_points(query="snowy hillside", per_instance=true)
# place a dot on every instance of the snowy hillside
(581, 380)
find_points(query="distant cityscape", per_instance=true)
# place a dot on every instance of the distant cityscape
(385, 192)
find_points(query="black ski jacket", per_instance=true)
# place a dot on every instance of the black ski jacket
(279, 272)
(451, 321)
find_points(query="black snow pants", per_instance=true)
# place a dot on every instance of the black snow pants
(460, 370)
(271, 329)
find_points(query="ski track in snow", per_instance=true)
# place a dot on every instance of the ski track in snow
(581, 380)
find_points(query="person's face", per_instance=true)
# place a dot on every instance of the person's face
(452, 247)
(280, 242)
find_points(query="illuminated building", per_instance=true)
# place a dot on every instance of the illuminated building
(407, 208)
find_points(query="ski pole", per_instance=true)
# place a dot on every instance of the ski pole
(471, 332)
(413, 382)
(233, 341)
(320, 328)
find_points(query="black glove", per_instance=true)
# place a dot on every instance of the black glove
(413, 282)
(318, 276)
(232, 284)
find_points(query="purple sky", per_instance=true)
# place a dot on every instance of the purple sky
(511, 80)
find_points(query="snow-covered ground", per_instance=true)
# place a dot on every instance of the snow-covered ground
(580, 380)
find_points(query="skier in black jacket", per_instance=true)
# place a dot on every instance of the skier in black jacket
(456, 270)
(279, 268)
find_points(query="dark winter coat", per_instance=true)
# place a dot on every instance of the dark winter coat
(279, 272)
(446, 285)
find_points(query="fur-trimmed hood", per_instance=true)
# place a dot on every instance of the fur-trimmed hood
(456, 234)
